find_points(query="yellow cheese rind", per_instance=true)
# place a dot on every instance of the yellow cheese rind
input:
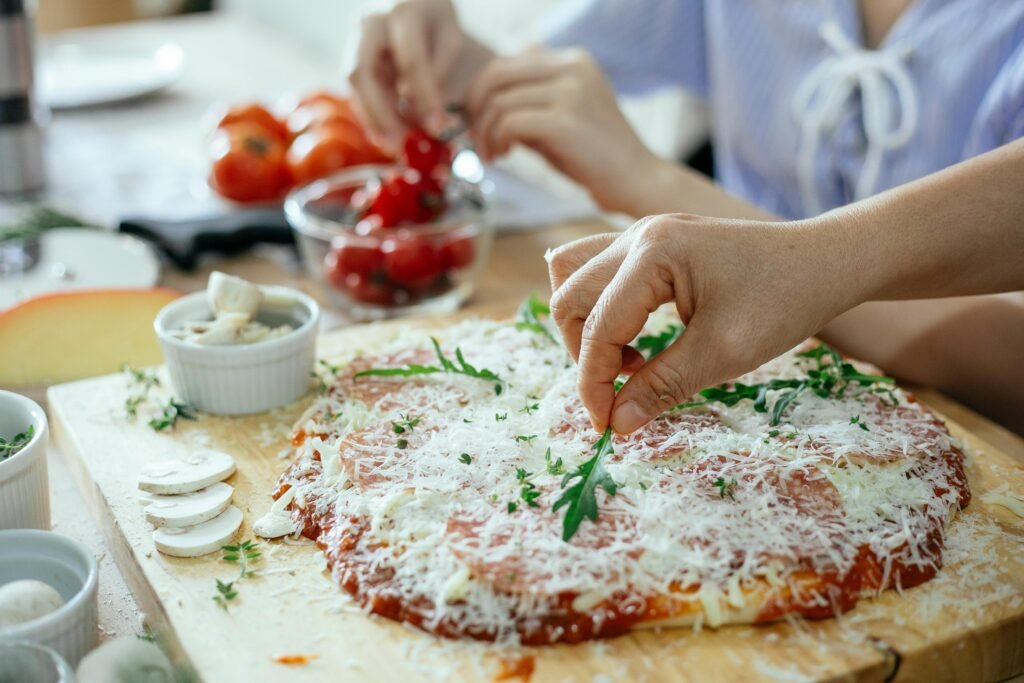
(72, 335)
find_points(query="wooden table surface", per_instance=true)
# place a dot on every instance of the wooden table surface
(221, 53)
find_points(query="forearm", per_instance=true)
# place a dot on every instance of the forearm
(968, 347)
(666, 187)
(957, 232)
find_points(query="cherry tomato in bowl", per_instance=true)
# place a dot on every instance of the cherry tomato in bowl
(370, 269)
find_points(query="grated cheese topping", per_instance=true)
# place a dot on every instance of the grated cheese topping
(416, 486)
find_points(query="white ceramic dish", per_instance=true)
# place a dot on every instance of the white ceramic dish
(84, 73)
(73, 258)
(71, 570)
(23, 661)
(243, 379)
(24, 484)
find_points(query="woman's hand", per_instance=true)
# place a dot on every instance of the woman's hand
(415, 56)
(747, 291)
(559, 103)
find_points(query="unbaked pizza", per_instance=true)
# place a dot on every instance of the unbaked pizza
(453, 481)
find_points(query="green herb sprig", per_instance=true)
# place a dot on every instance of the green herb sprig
(725, 488)
(554, 467)
(445, 364)
(243, 553)
(652, 345)
(528, 492)
(580, 499)
(9, 448)
(172, 412)
(831, 378)
(530, 312)
(141, 382)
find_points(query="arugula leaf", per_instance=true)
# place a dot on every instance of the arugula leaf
(580, 499)
(9, 448)
(652, 345)
(463, 367)
(831, 378)
(529, 316)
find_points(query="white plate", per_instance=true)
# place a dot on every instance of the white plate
(84, 74)
(83, 258)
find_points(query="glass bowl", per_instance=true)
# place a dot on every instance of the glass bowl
(370, 272)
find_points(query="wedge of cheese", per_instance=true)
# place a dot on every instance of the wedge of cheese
(70, 335)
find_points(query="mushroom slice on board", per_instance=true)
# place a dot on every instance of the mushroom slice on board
(199, 470)
(189, 509)
(198, 540)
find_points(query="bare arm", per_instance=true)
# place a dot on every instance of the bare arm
(749, 289)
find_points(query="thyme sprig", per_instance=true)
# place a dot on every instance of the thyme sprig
(580, 499)
(831, 378)
(725, 488)
(173, 410)
(459, 367)
(9, 448)
(243, 553)
(142, 383)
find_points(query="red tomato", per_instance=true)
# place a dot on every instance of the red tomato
(366, 290)
(412, 261)
(258, 114)
(319, 114)
(425, 153)
(325, 96)
(319, 153)
(360, 259)
(248, 163)
(407, 198)
(457, 253)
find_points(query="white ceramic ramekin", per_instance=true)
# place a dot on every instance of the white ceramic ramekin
(248, 378)
(68, 568)
(24, 486)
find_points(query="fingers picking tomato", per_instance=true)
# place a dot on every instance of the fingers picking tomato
(248, 163)
(457, 253)
(412, 261)
(425, 153)
(257, 114)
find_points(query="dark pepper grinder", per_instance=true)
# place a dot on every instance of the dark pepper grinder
(21, 136)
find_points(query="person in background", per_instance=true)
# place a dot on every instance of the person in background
(812, 107)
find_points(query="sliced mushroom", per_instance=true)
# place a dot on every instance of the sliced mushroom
(198, 540)
(230, 294)
(189, 509)
(199, 470)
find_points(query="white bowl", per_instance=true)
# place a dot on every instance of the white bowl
(32, 663)
(69, 569)
(24, 485)
(242, 379)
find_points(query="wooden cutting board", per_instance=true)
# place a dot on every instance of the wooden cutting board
(965, 625)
